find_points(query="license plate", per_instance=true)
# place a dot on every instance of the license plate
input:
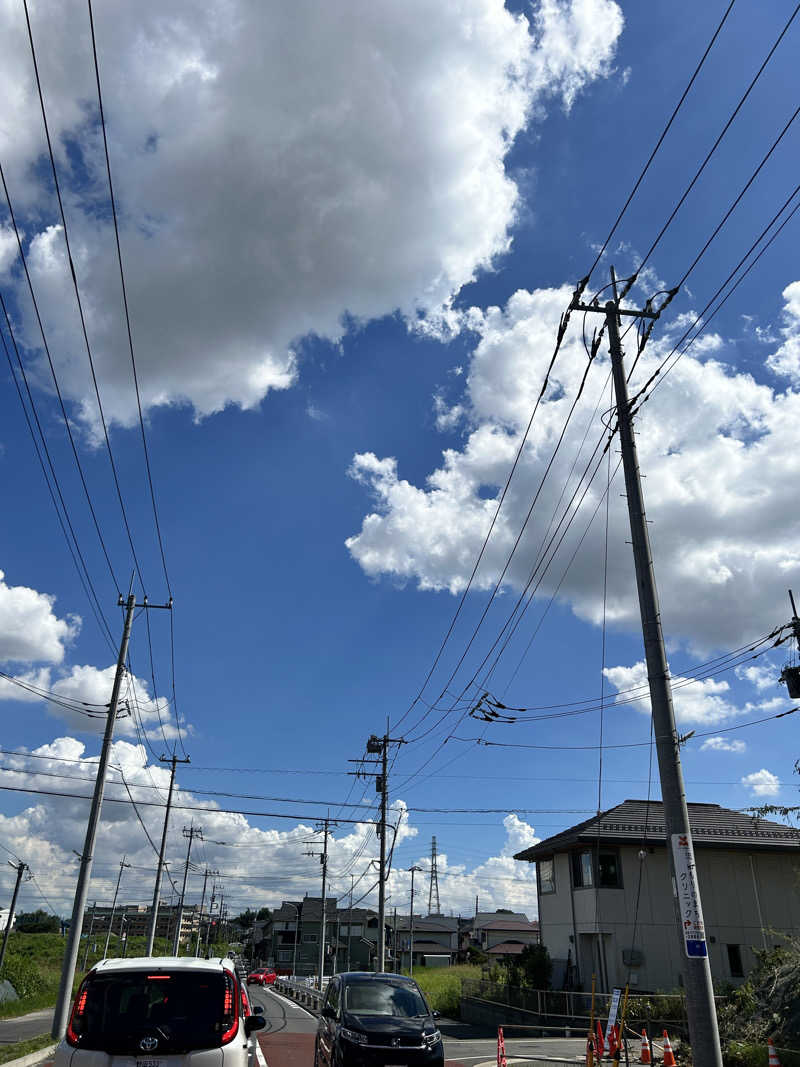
(149, 1062)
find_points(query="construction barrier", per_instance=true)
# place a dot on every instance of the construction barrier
(669, 1058)
(501, 1048)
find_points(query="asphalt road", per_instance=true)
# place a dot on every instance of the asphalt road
(288, 1038)
(25, 1026)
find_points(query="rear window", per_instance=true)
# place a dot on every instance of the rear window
(371, 997)
(182, 1010)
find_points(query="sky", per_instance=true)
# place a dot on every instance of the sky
(348, 235)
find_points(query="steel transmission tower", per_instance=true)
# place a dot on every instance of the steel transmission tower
(433, 891)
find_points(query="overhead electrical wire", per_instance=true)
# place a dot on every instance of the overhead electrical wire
(64, 520)
(78, 299)
(660, 140)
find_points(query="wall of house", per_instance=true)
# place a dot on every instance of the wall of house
(748, 898)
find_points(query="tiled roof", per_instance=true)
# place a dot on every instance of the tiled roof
(508, 948)
(484, 917)
(712, 827)
(510, 924)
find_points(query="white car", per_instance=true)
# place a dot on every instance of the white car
(160, 1011)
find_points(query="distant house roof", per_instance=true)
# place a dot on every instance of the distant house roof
(507, 948)
(430, 946)
(510, 924)
(630, 822)
(440, 923)
(484, 917)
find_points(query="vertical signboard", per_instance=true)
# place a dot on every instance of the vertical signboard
(694, 934)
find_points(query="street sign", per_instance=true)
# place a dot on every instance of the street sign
(694, 933)
(613, 1008)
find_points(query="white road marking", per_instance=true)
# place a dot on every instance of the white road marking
(260, 1056)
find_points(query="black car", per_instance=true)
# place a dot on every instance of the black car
(376, 1020)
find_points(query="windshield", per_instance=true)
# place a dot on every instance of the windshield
(183, 1010)
(384, 998)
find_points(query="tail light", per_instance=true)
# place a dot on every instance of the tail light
(230, 1010)
(78, 1014)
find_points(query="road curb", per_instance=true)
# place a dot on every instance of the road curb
(39, 1056)
(289, 1000)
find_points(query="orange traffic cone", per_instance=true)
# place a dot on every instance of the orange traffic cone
(600, 1043)
(773, 1055)
(669, 1059)
(644, 1051)
(501, 1048)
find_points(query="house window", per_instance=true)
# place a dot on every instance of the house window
(582, 870)
(609, 874)
(591, 868)
(735, 961)
(310, 937)
(284, 955)
(546, 874)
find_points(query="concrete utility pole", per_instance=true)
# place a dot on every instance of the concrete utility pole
(702, 1018)
(350, 921)
(211, 904)
(87, 856)
(382, 784)
(206, 873)
(122, 866)
(151, 930)
(323, 858)
(191, 834)
(89, 937)
(411, 941)
(21, 868)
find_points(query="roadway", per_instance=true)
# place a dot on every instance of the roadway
(288, 1038)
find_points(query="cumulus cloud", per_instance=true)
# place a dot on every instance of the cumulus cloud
(722, 744)
(762, 783)
(50, 830)
(703, 701)
(276, 169)
(720, 451)
(785, 360)
(30, 631)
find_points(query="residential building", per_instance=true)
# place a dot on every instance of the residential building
(434, 935)
(606, 902)
(137, 920)
(501, 934)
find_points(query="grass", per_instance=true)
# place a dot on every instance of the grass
(33, 966)
(442, 986)
(22, 1048)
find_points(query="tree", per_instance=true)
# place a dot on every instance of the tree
(37, 922)
(532, 967)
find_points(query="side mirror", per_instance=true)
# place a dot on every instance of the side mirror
(258, 1009)
(254, 1022)
(437, 1014)
(328, 1012)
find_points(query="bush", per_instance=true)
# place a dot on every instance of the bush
(25, 978)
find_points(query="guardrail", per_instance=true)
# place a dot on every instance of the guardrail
(301, 992)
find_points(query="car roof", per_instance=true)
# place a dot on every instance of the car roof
(163, 963)
(384, 976)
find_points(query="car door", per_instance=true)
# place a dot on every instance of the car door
(326, 1032)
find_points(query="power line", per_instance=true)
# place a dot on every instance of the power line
(78, 296)
(660, 140)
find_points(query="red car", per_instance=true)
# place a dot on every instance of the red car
(261, 978)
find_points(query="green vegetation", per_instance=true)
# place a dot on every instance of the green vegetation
(37, 922)
(22, 1048)
(33, 966)
(442, 986)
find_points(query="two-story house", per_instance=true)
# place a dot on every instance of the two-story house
(607, 905)
(502, 934)
(434, 935)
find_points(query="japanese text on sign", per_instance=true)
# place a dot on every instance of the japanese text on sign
(694, 934)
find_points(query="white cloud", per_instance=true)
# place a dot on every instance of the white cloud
(276, 168)
(703, 701)
(785, 361)
(719, 450)
(30, 631)
(722, 744)
(761, 677)
(261, 866)
(762, 783)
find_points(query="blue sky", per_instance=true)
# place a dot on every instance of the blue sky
(347, 243)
